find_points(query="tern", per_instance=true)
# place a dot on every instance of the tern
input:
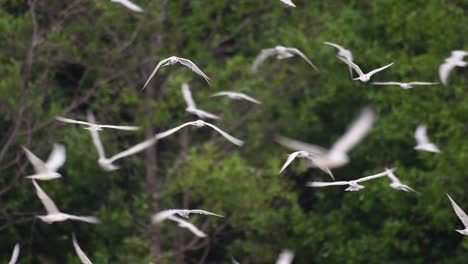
(364, 77)
(163, 215)
(173, 60)
(15, 254)
(352, 185)
(280, 52)
(91, 126)
(288, 2)
(344, 53)
(102, 161)
(191, 106)
(84, 259)
(48, 170)
(237, 96)
(422, 140)
(200, 123)
(396, 183)
(286, 257)
(53, 213)
(455, 60)
(306, 155)
(337, 155)
(405, 85)
(129, 5)
(461, 214)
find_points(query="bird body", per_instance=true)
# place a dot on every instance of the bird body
(455, 60)
(396, 183)
(192, 107)
(422, 140)
(364, 77)
(280, 52)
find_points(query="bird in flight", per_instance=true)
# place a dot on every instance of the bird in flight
(352, 185)
(343, 53)
(455, 60)
(91, 126)
(185, 213)
(173, 60)
(237, 96)
(84, 259)
(461, 214)
(288, 2)
(15, 254)
(422, 140)
(191, 106)
(53, 213)
(396, 183)
(48, 170)
(363, 77)
(286, 257)
(305, 155)
(337, 155)
(280, 52)
(129, 5)
(405, 85)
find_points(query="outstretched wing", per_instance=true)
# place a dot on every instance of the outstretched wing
(291, 157)
(49, 205)
(387, 83)
(248, 98)
(288, 2)
(375, 176)
(232, 139)
(352, 64)
(299, 145)
(57, 157)
(421, 135)
(71, 121)
(379, 69)
(263, 55)
(15, 254)
(194, 68)
(302, 55)
(95, 136)
(188, 225)
(444, 71)
(188, 96)
(326, 184)
(160, 64)
(38, 164)
(392, 176)
(135, 149)
(203, 212)
(84, 259)
(87, 219)
(424, 83)
(172, 130)
(203, 114)
(128, 128)
(460, 213)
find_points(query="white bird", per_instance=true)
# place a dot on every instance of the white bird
(200, 123)
(344, 53)
(173, 60)
(405, 85)
(422, 140)
(91, 126)
(102, 161)
(455, 60)
(461, 214)
(53, 213)
(163, 215)
(185, 224)
(286, 257)
(396, 183)
(237, 96)
(352, 185)
(129, 5)
(191, 106)
(306, 155)
(337, 155)
(288, 2)
(15, 254)
(364, 77)
(280, 52)
(48, 170)
(84, 259)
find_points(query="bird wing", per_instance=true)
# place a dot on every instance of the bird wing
(424, 83)
(302, 55)
(288, 2)
(49, 205)
(352, 64)
(325, 184)
(159, 65)
(163, 215)
(358, 130)
(15, 254)
(444, 71)
(248, 98)
(421, 134)
(131, 5)
(203, 114)
(291, 157)
(263, 55)
(188, 96)
(392, 176)
(194, 68)
(95, 136)
(172, 130)
(223, 93)
(460, 213)
(56, 158)
(299, 145)
(135, 149)
(286, 257)
(188, 225)
(379, 69)
(38, 164)
(387, 83)
(128, 128)
(84, 259)
(203, 212)
(370, 177)
(232, 139)
(72, 121)
(88, 219)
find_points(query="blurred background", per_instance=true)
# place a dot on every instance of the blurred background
(67, 57)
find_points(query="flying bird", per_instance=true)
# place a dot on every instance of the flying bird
(352, 185)
(280, 52)
(102, 161)
(305, 155)
(91, 126)
(191, 106)
(288, 2)
(84, 259)
(461, 214)
(237, 96)
(405, 85)
(163, 215)
(455, 60)
(396, 183)
(363, 77)
(15, 254)
(337, 155)
(286, 257)
(200, 123)
(185, 224)
(173, 60)
(53, 213)
(129, 5)
(422, 140)
(48, 170)
(343, 53)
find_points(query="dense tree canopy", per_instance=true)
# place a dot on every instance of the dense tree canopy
(67, 57)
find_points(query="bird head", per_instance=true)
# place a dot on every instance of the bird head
(199, 123)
